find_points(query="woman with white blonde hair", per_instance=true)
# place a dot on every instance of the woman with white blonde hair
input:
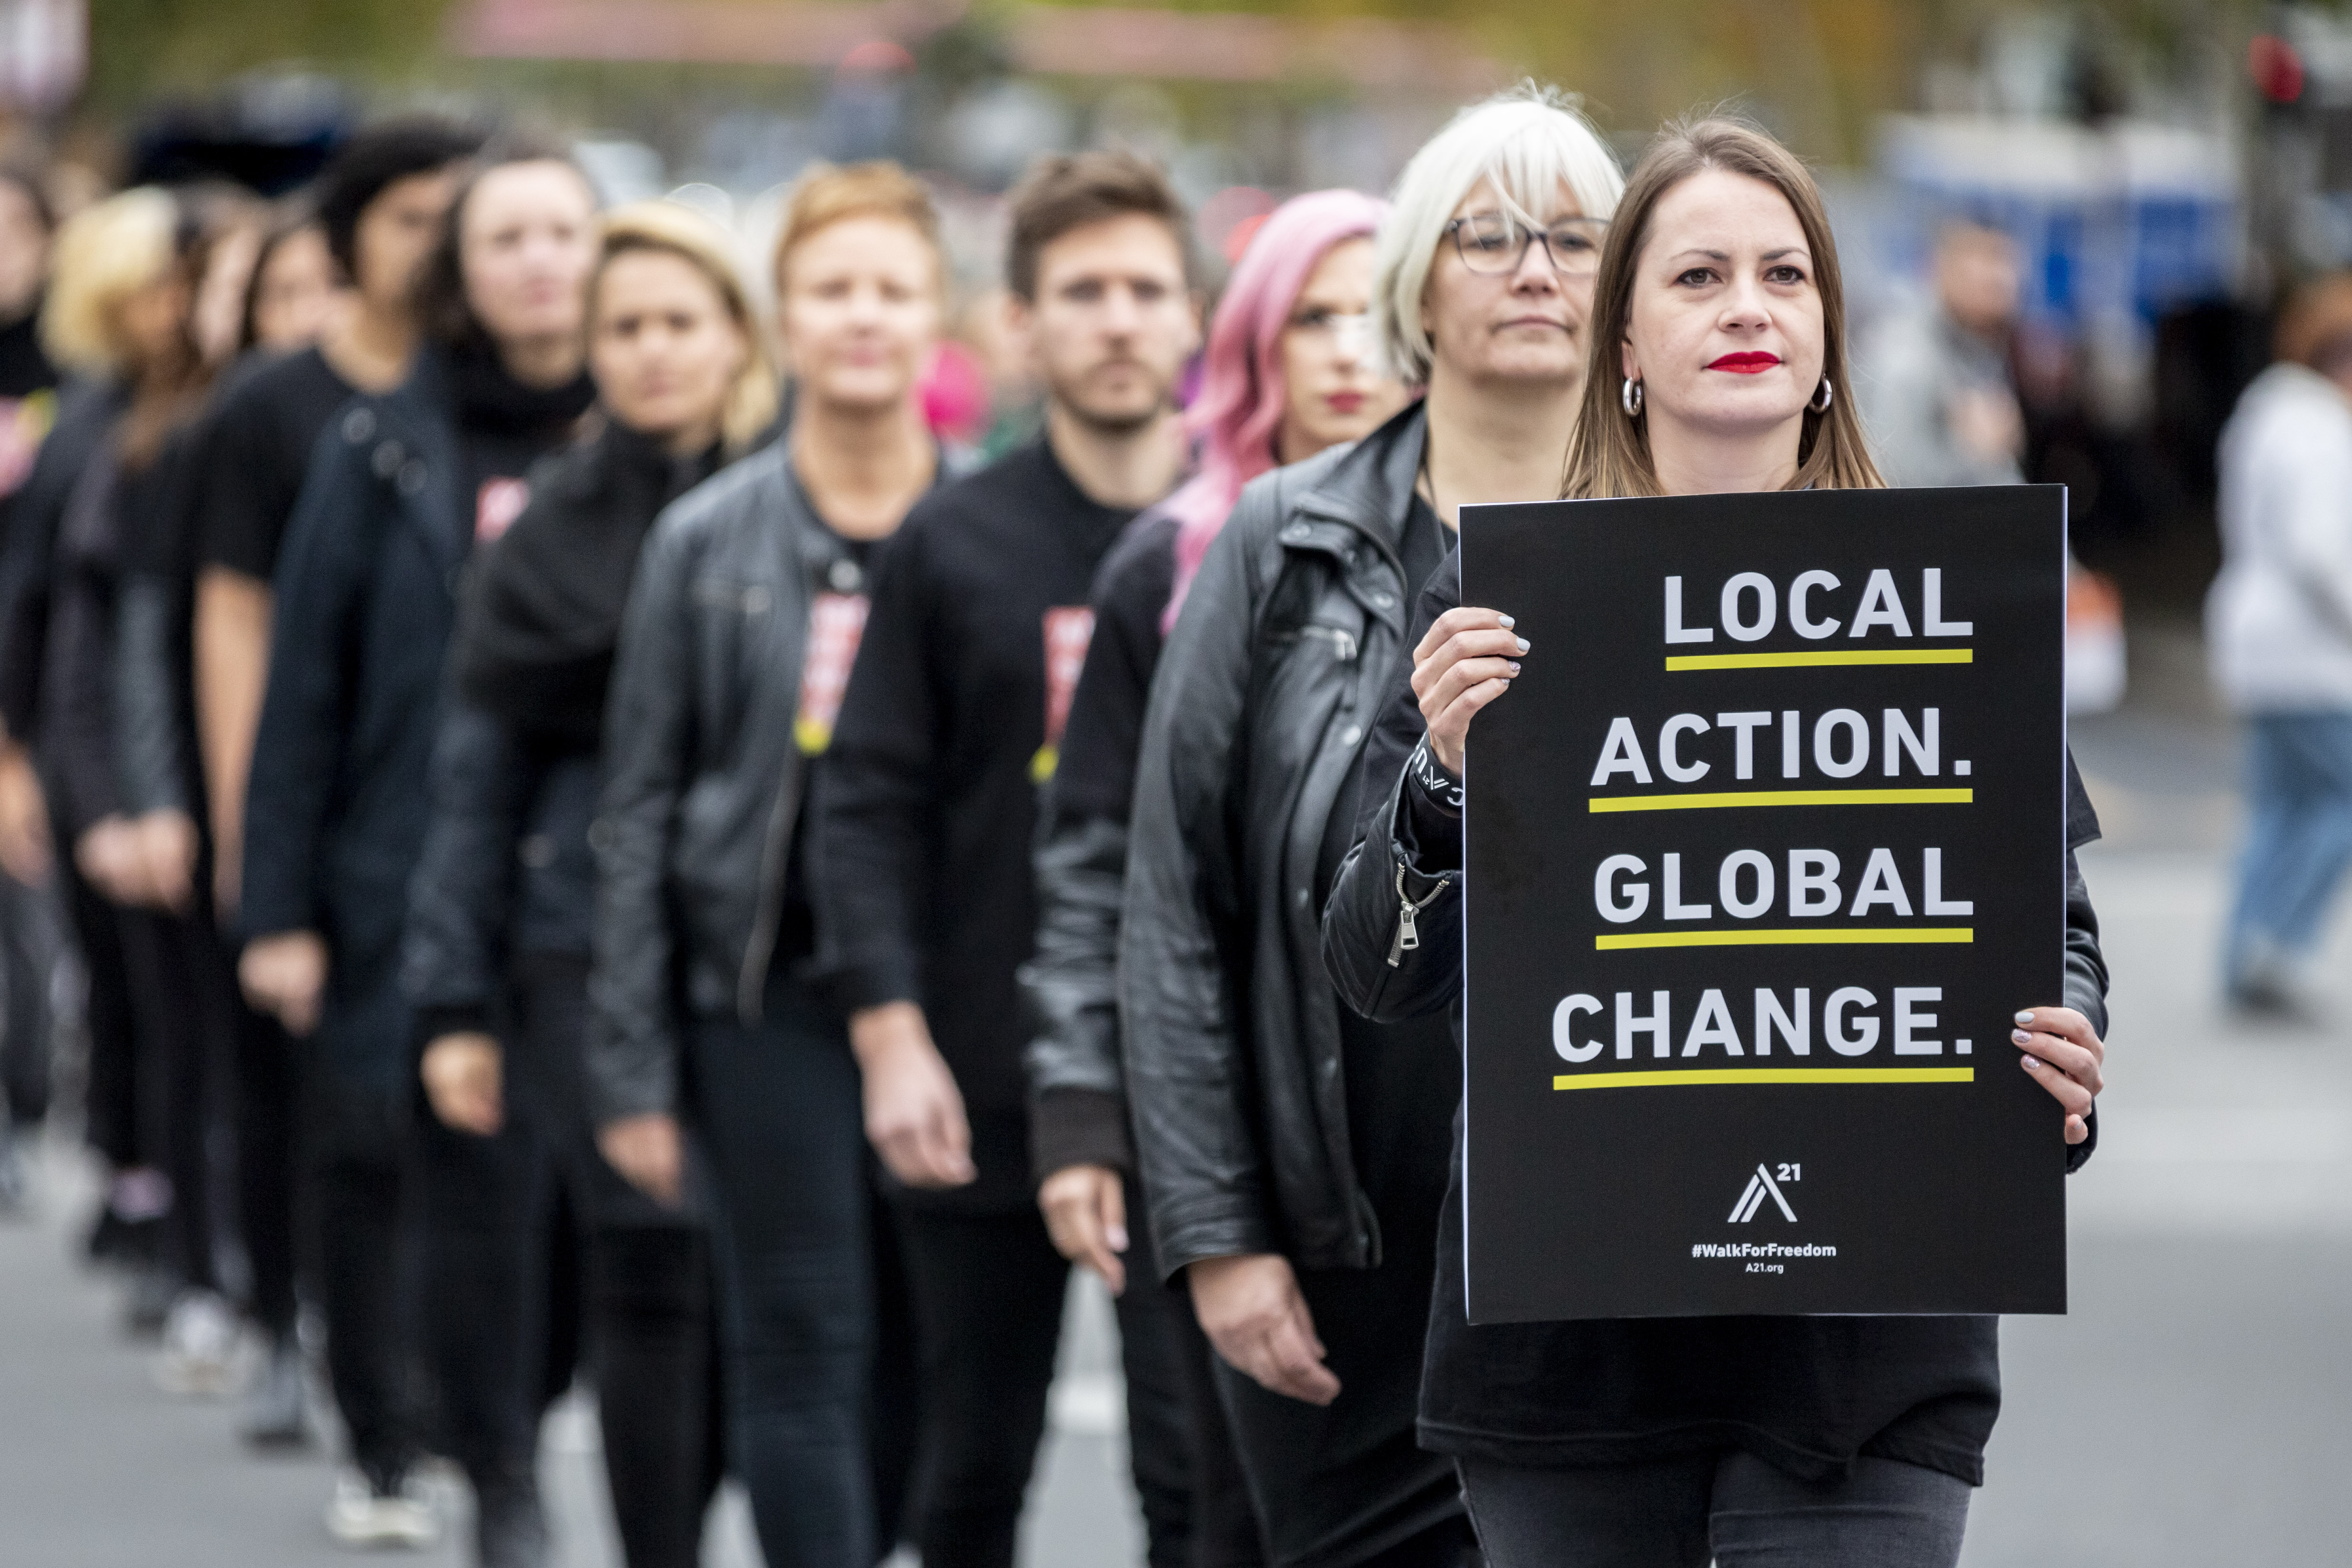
(1292, 1156)
(118, 320)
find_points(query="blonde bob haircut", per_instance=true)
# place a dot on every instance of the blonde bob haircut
(668, 228)
(1525, 143)
(828, 195)
(106, 253)
(1609, 450)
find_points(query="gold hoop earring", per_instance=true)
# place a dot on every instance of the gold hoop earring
(1629, 397)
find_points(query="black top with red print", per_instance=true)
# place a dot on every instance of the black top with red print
(928, 798)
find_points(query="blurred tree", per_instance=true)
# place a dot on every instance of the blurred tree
(142, 47)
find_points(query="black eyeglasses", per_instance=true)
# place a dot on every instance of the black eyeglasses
(1495, 243)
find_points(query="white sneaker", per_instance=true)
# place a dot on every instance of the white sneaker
(361, 1516)
(199, 1357)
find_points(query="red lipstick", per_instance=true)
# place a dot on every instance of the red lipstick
(1749, 364)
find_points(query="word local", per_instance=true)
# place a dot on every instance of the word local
(1849, 1025)
(1749, 608)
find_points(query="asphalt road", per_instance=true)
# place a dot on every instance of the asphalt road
(2188, 1411)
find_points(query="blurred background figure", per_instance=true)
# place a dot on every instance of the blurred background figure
(496, 960)
(2279, 625)
(1934, 379)
(123, 319)
(365, 603)
(368, 220)
(29, 939)
(1939, 392)
(1288, 374)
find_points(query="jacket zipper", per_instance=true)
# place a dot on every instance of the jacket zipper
(1408, 935)
(750, 985)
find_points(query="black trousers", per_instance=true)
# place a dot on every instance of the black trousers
(363, 1236)
(269, 1186)
(778, 1112)
(989, 1289)
(29, 943)
(650, 1301)
(158, 1018)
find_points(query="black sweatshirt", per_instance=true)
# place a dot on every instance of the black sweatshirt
(928, 799)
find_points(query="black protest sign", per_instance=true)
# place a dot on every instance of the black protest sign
(1764, 850)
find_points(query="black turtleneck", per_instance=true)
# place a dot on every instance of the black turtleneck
(504, 426)
(23, 368)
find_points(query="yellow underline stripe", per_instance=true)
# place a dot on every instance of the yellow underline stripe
(1735, 798)
(1826, 936)
(1673, 1079)
(1819, 657)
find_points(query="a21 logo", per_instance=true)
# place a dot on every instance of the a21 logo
(1764, 1184)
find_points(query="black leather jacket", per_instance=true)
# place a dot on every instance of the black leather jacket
(704, 778)
(1264, 693)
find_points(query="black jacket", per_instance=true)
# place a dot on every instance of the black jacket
(366, 598)
(507, 868)
(86, 415)
(1264, 692)
(705, 777)
(1805, 1393)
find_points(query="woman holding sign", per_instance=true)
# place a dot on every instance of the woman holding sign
(1292, 1155)
(1718, 367)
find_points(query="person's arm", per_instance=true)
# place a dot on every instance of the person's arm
(232, 659)
(454, 948)
(633, 1034)
(321, 575)
(874, 795)
(1077, 1100)
(2310, 477)
(150, 744)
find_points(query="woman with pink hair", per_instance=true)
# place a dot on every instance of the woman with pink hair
(1288, 374)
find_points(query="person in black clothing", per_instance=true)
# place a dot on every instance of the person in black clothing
(497, 954)
(28, 925)
(747, 609)
(378, 205)
(1287, 374)
(366, 600)
(928, 802)
(1293, 1157)
(124, 311)
(1751, 1440)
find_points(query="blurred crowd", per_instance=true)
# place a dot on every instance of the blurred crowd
(610, 833)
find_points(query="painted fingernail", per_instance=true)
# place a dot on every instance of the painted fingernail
(2020, 1036)
(2029, 1063)
(1523, 645)
(1507, 622)
(2026, 1016)
(1514, 664)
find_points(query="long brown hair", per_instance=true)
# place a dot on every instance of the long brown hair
(1609, 452)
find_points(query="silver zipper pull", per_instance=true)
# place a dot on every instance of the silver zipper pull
(1408, 931)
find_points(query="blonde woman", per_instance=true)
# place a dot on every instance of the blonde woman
(1718, 367)
(740, 630)
(498, 912)
(118, 319)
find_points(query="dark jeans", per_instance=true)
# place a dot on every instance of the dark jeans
(29, 953)
(778, 1112)
(268, 1094)
(1677, 1513)
(651, 1309)
(354, 1143)
(989, 1291)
